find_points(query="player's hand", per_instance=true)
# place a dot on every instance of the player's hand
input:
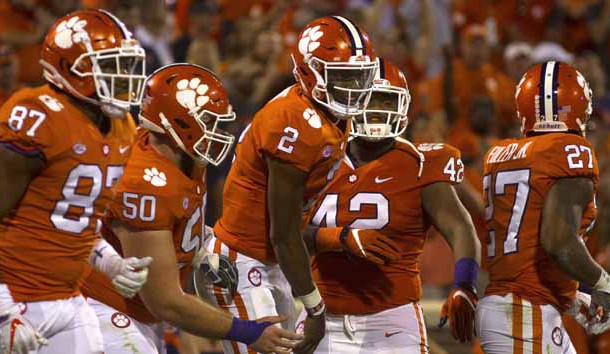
(129, 274)
(593, 318)
(217, 269)
(459, 310)
(18, 336)
(372, 245)
(275, 339)
(314, 329)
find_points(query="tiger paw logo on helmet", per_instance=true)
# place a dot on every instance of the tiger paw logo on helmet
(69, 32)
(191, 93)
(309, 41)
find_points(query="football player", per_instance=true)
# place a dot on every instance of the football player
(159, 212)
(374, 216)
(282, 162)
(62, 150)
(540, 201)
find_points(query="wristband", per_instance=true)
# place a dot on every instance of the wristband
(603, 283)
(103, 257)
(246, 332)
(313, 303)
(466, 273)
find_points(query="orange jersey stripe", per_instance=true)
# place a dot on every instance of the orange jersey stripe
(517, 325)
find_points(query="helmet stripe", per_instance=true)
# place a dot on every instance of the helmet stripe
(554, 90)
(548, 71)
(359, 35)
(353, 34)
(381, 68)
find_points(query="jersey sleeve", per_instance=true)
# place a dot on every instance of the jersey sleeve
(141, 205)
(286, 135)
(442, 163)
(26, 127)
(566, 155)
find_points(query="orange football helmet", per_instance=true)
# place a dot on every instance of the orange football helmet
(91, 55)
(334, 62)
(553, 97)
(386, 113)
(189, 103)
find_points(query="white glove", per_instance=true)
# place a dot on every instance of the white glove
(128, 275)
(590, 318)
(18, 335)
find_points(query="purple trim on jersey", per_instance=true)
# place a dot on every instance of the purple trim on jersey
(24, 152)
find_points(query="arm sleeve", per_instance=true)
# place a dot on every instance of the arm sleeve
(285, 135)
(442, 163)
(26, 127)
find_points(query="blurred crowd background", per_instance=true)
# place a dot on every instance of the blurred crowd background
(462, 59)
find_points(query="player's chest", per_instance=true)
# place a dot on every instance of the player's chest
(89, 169)
(370, 198)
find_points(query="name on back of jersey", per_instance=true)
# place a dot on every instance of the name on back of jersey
(512, 151)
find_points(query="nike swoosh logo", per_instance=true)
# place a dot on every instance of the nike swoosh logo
(389, 334)
(122, 149)
(381, 180)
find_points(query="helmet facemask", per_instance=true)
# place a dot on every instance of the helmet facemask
(216, 142)
(118, 73)
(344, 88)
(385, 115)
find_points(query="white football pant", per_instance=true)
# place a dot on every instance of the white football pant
(400, 330)
(125, 335)
(69, 325)
(509, 324)
(262, 291)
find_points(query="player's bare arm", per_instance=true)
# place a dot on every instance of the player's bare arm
(285, 204)
(16, 172)
(561, 217)
(442, 205)
(165, 298)
(450, 217)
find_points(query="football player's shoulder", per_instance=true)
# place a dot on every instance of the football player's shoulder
(558, 142)
(441, 162)
(289, 108)
(34, 117)
(145, 174)
(564, 155)
(438, 151)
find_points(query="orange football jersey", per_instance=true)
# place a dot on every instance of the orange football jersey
(154, 194)
(517, 176)
(290, 129)
(384, 194)
(45, 242)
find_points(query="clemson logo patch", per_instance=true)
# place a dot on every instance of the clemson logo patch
(312, 118)
(70, 31)
(155, 177)
(255, 277)
(120, 320)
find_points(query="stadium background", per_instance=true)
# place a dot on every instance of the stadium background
(462, 59)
